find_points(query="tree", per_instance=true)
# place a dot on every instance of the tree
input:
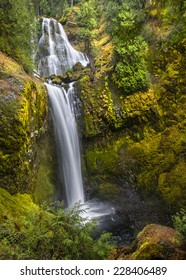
(130, 71)
(125, 21)
(87, 21)
(50, 8)
(17, 30)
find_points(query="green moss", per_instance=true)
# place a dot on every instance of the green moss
(156, 242)
(98, 107)
(154, 121)
(14, 206)
(107, 191)
(155, 166)
(56, 80)
(45, 188)
(156, 163)
(101, 160)
(172, 185)
(153, 12)
(154, 251)
(175, 137)
(106, 110)
(69, 18)
(140, 103)
(23, 109)
(150, 251)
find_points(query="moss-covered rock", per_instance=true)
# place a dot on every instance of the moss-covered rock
(23, 111)
(151, 145)
(161, 164)
(152, 141)
(14, 206)
(154, 242)
(107, 191)
(70, 76)
(172, 184)
(141, 157)
(46, 185)
(98, 106)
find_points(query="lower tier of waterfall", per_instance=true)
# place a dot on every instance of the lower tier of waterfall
(67, 142)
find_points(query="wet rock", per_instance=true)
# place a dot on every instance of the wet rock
(23, 110)
(78, 67)
(154, 242)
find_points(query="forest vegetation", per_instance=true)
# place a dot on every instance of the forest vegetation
(133, 126)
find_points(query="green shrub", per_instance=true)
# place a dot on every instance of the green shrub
(179, 221)
(125, 25)
(52, 233)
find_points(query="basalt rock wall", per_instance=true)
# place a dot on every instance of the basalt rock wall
(23, 112)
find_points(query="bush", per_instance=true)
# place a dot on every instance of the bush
(179, 221)
(51, 234)
(125, 24)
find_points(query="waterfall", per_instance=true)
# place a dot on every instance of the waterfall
(56, 56)
(67, 142)
(55, 53)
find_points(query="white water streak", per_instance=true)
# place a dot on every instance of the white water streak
(68, 144)
(56, 55)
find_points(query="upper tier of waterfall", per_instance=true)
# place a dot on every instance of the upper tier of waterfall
(55, 53)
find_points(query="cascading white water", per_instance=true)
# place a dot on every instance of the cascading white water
(56, 56)
(55, 53)
(68, 143)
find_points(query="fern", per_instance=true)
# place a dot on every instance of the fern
(52, 233)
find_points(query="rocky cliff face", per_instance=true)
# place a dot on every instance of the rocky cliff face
(138, 137)
(133, 141)
(23, 112)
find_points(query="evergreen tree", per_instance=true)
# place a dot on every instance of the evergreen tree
(51, 8)
(87, 20)
(125, 24)
(17, 30)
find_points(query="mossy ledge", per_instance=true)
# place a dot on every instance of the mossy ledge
(154, 242)
(23, 111)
